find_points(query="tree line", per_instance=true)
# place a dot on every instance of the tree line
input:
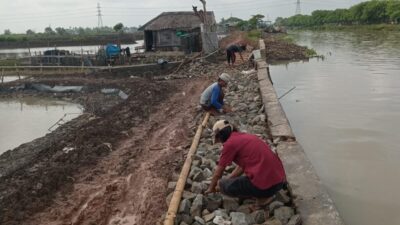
(77, 33)
(370, 12)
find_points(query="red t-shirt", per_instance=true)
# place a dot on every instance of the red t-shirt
(254, 156)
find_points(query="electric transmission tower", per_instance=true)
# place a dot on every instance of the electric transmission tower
(99, 19)
(298, 7)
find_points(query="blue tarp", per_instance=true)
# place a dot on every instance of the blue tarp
(112, 50)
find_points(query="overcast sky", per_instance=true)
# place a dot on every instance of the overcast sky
(21, 15)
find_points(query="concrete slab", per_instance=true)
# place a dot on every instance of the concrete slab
(312, 200)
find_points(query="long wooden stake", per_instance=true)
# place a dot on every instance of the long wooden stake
(180, 185)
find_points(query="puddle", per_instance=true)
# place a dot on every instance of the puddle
(11, 78)
(23, 120)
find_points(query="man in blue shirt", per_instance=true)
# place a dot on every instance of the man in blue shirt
(212, 99)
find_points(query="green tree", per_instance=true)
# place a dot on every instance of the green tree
(118, 27)
(7, 32)
(61, 31)
(30, 32)
(49, 31)
(255, 21)
(393, 10)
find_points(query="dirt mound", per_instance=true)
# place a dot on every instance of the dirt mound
(278, 49)
(237, 37)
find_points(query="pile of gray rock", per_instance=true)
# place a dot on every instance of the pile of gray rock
(217, 209)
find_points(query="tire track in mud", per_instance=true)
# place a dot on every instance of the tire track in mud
(129, 185)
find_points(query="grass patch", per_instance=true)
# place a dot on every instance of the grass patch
(8, 62)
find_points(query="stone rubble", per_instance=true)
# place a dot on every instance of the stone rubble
(216, 209)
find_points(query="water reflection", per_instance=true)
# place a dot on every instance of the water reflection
(88, 49)
(25, 119)
(344, 112)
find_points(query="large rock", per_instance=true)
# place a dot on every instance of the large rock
(197, 206)
(283, 214)
(199, 220)
(199, 176)
(273, 221)
(295, 220)
(209, 217)
(222, 213)
(230, 204)
(239, 218)
(214, 201)
(171, 187)
(282, 196)
(184, 206)
(188, 195)
(259, 216)
(197, 187)
(187, 218)
(274, 205)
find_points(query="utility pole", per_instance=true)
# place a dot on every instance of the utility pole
(298, 7)
(205, 13)
(99, 19)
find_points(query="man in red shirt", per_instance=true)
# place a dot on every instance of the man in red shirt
(264, 172)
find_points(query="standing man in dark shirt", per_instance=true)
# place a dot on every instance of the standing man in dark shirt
(231, 50)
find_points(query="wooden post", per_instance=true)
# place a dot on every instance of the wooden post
(180, 185)
(59, 62)
(30, 56)
(2, 75)
(17, 70)
(41, 67)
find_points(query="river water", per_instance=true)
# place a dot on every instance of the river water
(26, 119)
(91, 49)
(345, 113)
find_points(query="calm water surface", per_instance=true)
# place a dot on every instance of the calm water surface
(26, 119)
(345, 112)
(92, 49)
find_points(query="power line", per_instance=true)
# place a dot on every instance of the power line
(99, 19)
(298, 8)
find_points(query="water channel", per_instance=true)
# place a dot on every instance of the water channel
(91, 49)
(23, 120)
(345, 113)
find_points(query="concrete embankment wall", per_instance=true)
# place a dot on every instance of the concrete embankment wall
(311, 199)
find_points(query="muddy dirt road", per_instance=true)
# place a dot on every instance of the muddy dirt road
(111, 167)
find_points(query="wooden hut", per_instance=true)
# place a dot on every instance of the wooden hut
(175, 31)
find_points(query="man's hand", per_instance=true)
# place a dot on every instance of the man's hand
(210, 190)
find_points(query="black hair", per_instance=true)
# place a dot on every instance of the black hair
(225, 132)
(243, 47)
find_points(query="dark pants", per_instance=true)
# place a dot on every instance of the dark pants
(242, 187)
(230, 57)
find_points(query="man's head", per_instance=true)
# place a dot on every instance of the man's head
(243, 47)
(224, 79)
(222, 130)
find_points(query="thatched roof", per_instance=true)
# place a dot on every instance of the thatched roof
(177, 20)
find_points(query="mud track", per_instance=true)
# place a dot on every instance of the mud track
(119, 167)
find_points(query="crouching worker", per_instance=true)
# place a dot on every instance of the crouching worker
(264, 174)
(212, 99)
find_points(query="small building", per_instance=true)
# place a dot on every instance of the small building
(177, 31)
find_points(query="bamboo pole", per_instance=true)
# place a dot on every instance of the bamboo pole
(180, 185)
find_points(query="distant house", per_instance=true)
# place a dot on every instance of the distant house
(175, 31)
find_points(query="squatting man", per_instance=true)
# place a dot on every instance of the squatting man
(263, 171)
